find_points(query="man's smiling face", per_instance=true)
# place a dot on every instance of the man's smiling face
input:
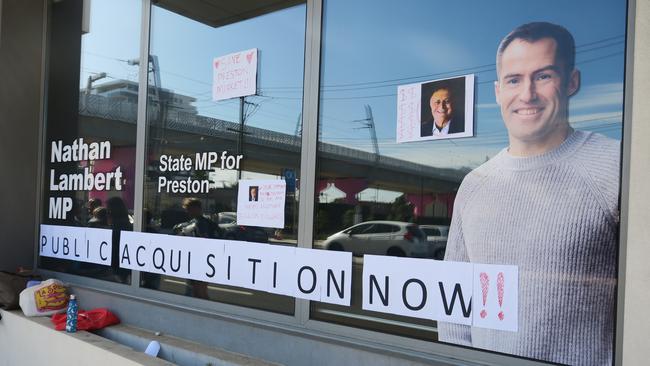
(533, 91)
(441, 106)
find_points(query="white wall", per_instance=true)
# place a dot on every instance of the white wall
(636, 269)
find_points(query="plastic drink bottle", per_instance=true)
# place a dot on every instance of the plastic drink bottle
(71, 315)
(153, 348)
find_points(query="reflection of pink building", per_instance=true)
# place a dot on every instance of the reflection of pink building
(124, 158)
(439, 204)
(350, 186)
(421, 202)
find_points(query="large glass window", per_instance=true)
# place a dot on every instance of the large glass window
(92, 98)
(193, 49)
(429, 153)
(412, 104)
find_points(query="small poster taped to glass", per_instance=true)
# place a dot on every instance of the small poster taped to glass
(436, 109)
(234, 75)
(261, 203)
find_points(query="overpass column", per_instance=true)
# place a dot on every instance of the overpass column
(448, 199)
(351, 186)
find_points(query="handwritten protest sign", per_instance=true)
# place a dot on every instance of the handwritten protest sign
(408, 112)
(495, 291)
(234, 75)
(435, 109)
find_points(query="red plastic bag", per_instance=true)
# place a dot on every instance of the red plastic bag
(88, 320)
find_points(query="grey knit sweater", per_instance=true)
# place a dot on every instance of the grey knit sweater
(556, 217)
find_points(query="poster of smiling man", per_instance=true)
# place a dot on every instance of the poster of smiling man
(546, 203)
(436, 109)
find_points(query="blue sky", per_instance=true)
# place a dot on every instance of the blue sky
(417, 41)
(369, 48)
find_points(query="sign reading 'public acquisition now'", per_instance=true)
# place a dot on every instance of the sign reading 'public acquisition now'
(481, 295)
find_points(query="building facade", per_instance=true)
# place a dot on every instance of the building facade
(276, 178)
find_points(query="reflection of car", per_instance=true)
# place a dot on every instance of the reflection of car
(437, 238)
(228, 223)
(381, 238)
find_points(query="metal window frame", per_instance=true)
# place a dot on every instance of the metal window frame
(625, 197)
(300, 323)
(141, 126)
(133, 290)
(40, 155)
(311, 87)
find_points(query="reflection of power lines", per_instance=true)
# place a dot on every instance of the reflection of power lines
(595, 45)
(369, 123)
(400, 81)
(583, 48)
(204, 102)
(602, 124)
(395, 94)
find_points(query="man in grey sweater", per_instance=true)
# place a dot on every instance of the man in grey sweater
(548, 204)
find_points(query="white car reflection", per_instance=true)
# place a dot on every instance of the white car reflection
(395, 238)
(437, 239)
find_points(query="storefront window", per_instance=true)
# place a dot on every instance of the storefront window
(225, 97)
(92, 99)
(466, 178)
(415, 161)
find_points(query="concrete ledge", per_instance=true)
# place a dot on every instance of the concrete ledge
(179, 351)
(33, 341)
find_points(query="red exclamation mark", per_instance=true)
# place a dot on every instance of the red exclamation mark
(485, 285)
(500, 293)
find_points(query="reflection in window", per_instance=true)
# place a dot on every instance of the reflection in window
(365, 178)
(184, 119)
(93, 98)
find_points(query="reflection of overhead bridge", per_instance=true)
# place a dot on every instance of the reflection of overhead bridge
(265, 151)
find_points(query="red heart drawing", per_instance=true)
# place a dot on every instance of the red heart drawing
(216, 64)
(249, 57)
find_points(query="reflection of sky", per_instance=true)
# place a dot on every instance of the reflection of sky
(369, 49)
(109, 44)
(186, 49)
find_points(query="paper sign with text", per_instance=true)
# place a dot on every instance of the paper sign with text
(234, 75)
(248, 265)
(435, 109)
(495, 291)
(440, 290)
(408, 112)
(76, 243)
(261, 203)
(323, 275)
(302, 273)
(389, 288)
